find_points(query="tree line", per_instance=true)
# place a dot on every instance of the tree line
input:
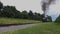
(12, 12)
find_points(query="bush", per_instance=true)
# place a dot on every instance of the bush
(58, 19)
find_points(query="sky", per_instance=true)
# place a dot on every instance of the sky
(54, 9)
(34, 5)
(21, 5)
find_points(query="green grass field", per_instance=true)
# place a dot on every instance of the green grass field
(49, 28)
(16, 21)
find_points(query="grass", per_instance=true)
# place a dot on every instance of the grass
(49, 28)
(16, 21)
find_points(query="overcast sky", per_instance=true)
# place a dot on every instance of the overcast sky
(34, 5)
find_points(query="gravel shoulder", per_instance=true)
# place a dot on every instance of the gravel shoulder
(15, 27)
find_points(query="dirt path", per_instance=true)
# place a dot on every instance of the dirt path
(16, 27)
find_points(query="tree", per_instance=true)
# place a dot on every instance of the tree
(58, 19)
(1, 5)
(10, 11)
(37, 16)
(24, 14)
(30, 14)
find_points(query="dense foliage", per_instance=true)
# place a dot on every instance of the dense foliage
(58, 19)
(12, 12)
